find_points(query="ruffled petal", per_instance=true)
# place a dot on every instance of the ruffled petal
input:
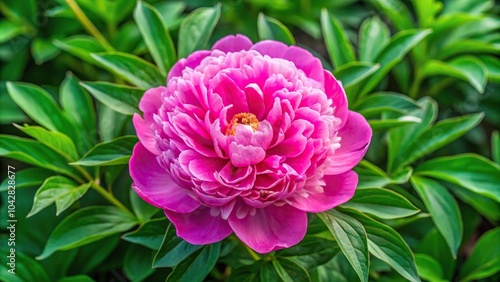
(233, 43)
(155, 186)
(191, 61)
(143, 130)
(334, 91)
(270, 228)
(355, 138)
(199, 227)
(337, 190)
(151, 101)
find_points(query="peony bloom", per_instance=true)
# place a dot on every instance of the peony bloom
(247, 138)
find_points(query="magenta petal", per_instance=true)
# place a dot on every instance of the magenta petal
(191, 61)
(273, 49)
(334, 91)
(155, 186)
(270, 228)
(199, 227)
(305, 61)
(355, 138)
(338, 189)
(233, 43)
(145, 134)
(151, 100)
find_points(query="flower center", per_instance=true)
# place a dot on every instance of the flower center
(242, 118)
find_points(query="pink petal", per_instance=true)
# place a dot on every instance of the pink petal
(270, 228)
(151, 101)
(338, 189)
(145, 134)
(355, 138)
(241, 155)
(199, 227)
(155, 186)
(191, 61)
(334, 91)
(233, 43)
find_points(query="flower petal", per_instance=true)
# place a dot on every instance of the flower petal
(155, 186)
(151, 101)
(334, 91)
(338, 189)
(355, 138)
(233, 43)
(191, 61)
(145, 134)
(270, 228)
(199, 227)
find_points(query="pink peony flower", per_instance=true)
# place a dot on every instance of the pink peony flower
(247, 138)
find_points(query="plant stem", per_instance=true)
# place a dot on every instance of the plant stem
(109, 197)
(88, 25)
(252, 253)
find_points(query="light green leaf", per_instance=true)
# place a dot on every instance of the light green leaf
(383, 124)
(396, 11)
(171, 13)
(121, 98)
(495, 147)
(468, 46)
(434, 245)
(27, 177)
(373, 37)
(426, 11)
(10, 114)
(270, 28)
(60, 190)
(114, 152)
(351, 237)
(137, 263)
(196, 29)
(131, 68)
(492, 64)
(382, 203)
(290, 271)
(443, 209)
(9, 30)
(470, 171)
(149, 235)
(337, 43)
(43, 50)
(353, 72)
(173, 250)
(469, 6)
(85, 226)
(156, 35)
(111, 11)
(80, 46)
(380, 102)
(484, 261)
(483, 205)
(429, 268)
(196, 267)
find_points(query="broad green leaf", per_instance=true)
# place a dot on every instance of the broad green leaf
(196, 29)
(373, 37)
(353, 72)
(57, 141)
(114, 152)
(311, 252)
(142, 210)
(255, 272)
(467, 68)
(270, 28)
(26, 268)
(85, 226)
(429, 268)
(110, 11)
(469, 6)
(483, 205)
(173, 250)
(385, 101)
(337, 43)
(80, 46)
(87, 259)
(382, 203)
(10, 114)
(371, 175)
(137, 263)
(495, 147)
(443, 209)
(77, 278)
(492, 64)
(426, 11)
(442, 133)
(156, 35)
(149, 235)
(434, 245)
(267, 272)
(131, 68)
(396, 11)
(39, 105)
(351, 237)
(387, 245)
(470, 171)
(60, 190)
(43, 50)
(28, 177)
(121, 98)
(9, 30)
(290, 271)
(171, 13)
(34, 153)
(197, 266)
(484, 261)
(110, 123)
(393, 53)
(383, 124)
(468, 46)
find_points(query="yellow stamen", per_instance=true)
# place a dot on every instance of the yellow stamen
(242, 118)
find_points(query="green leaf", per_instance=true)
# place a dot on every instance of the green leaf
(39, 105)
(80, 46)
(470, 171)
(197, 266)
(149, 235)
(495, 146)
(289, 271)
(114, 152)
(434, 245)
(88, 259)
(443, 209)
(57, 141)
(383, 124)
(156, 35)
(173, 250)
(137, 263)
(484, 261)
(270, 28)
(9, 30)
(382, 203)
(351, 237)
(85, 226)
(131, 68)
(34, 153)
(28, 177)
(144, 211)
(468, 46)
(110, 11)
(426, 11)
(380, 102)
(111, 123)
(353, 72)
(429, 268)
(387, 245)
(196, 29)
(466, 68)
(483, 205)
(492, 64)
(59, 189)
(26, 268)
(43, 50)
(373, 37)
(337, 43)
(121, 98)
(171, 13)
(312, 251)
(469, 6)
(77, 278)
(396, 11)
(10, 114)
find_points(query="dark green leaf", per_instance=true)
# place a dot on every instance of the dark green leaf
(85, 226)
(468, 46)
(270, 28)
(353, 72)
(373, 37)
(429, 268)
(173, 250)
(435, 246)
(137, 263)
(483, 205)
(337, 43)
(111, 123)
(80, 46)
(312, 251)
(87, 259)
(77, 278)
(495, 147)
(384, 124)
(290, 271)
(142, 210)
(396, 11)
(492, 64)
(110, 11)
(43, 50)
(121, 98)
(9, 30)
(114, 152)
(197, 266)
(28, 177)
(25, 268)
(484, 261)
(12, 113)
(150, 234)
(380, 102)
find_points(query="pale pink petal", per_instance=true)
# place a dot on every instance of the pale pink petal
(233, 43)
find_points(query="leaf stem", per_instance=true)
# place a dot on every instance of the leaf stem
(252, 253)
(88, 25)
(108, 196)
